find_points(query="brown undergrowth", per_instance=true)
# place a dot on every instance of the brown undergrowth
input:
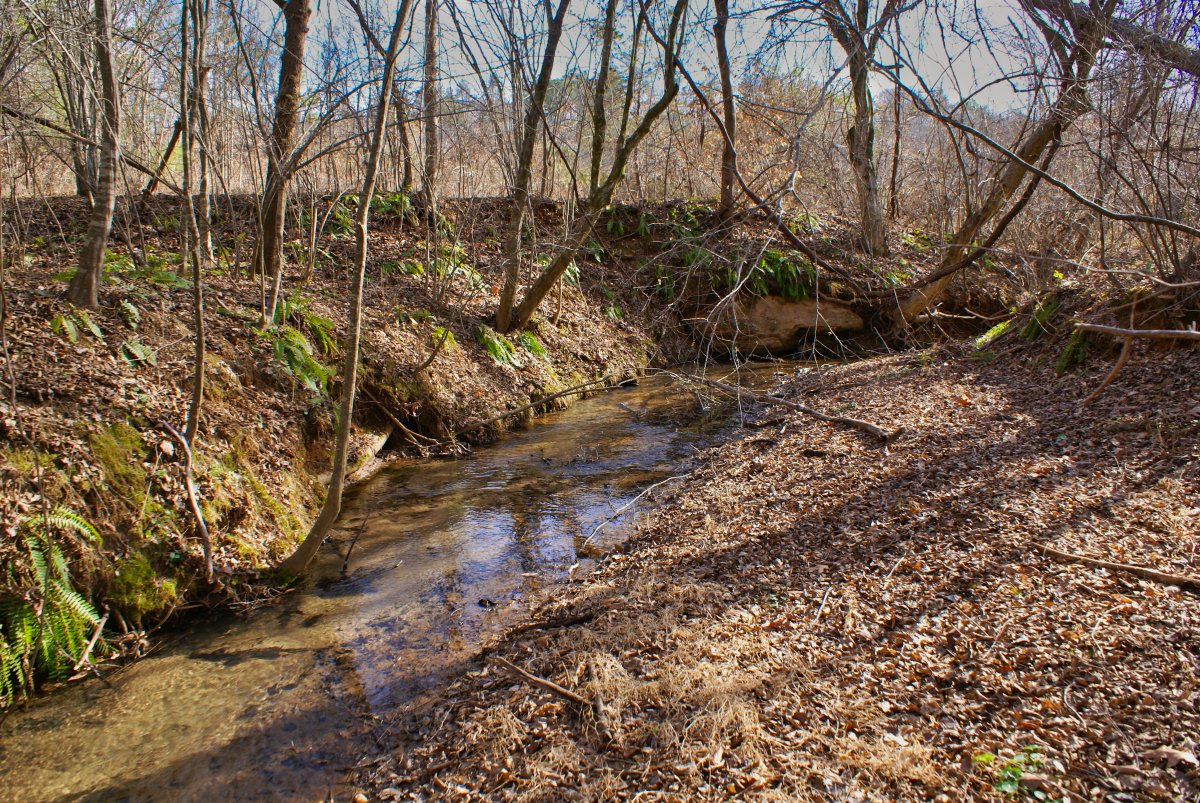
(812, 616)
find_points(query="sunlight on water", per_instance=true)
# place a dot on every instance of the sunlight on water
(281, 703)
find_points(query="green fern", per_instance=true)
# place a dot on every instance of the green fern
(497, 345)
(44, 632)
(293, 350)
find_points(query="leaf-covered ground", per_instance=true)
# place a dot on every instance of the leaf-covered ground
(811, 616)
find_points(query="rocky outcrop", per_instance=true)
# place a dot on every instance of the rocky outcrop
(775, 325)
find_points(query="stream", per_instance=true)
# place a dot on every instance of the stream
(280, 703)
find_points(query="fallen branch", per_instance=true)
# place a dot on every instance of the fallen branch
(193, 503)
(1166, 578)
(1148, 334)
(414, 438)
(541, 683)
(1121, 360)
(856, 423)
(568, 392)
(87, 651)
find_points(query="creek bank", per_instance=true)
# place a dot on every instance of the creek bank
(809, 615)
(86, 443)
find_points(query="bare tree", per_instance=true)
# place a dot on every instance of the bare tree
(427, 196)
(84, 289)
(524, 166)
(728, 111)
(298, 561)
(296, 14)
(627, 143)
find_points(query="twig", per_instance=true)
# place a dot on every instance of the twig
(541, 683)
(1181, 580)
(865, 426)
(630, 504)
(821, 609)
(201, 527)
(87, 651)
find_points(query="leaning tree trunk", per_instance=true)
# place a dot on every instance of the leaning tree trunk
(524, 170)
(296, 14)
(298, 561)
(1070, 104)
(85, 286)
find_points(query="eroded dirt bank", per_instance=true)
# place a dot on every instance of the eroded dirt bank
(89, 395)
(812, 616)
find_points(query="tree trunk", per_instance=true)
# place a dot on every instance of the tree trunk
(599, 115)
(299, 560)
(524, 171)
(269, 254)
(195, 242)
(427, 198)
(729, 112)
(84, 289)
(860, 139)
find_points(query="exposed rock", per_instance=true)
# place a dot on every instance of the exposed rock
(774, 325)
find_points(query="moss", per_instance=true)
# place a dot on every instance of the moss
(138, 589)
(993, 333)
(120, 451)
(26, 460)
(1075, 353)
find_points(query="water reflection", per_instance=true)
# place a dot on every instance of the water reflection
(279, 704)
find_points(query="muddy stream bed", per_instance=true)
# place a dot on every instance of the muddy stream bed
(282, 702)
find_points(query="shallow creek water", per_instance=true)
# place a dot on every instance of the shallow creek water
(280, 703)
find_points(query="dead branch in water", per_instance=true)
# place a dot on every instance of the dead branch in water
(855, 423)
(1145, 572)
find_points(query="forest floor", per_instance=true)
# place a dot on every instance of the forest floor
(810, 615)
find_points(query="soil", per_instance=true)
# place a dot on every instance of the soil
(813, 615)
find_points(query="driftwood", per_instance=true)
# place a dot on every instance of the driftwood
(855, 423)
(541, 683)
(1145, 572)
(193, 502)
(91, 645)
